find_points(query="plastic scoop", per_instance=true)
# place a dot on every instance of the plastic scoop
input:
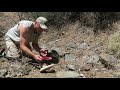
(45, 58)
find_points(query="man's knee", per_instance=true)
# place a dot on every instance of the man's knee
(12, 50)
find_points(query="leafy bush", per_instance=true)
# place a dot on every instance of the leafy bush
(114, 44)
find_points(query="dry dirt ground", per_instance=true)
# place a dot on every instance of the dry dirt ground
(75, 40)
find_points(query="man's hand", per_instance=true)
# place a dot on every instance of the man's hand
(38, 58)
(43, 52)
(42, 56)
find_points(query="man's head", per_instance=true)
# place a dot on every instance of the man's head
(42, 21)
(40, 24)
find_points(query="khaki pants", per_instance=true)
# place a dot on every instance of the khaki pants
(13, 50)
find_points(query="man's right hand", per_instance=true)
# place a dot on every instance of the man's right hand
(38, 58)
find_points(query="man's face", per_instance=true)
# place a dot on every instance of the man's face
(38, 28)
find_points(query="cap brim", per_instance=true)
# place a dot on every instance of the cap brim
(43, 26)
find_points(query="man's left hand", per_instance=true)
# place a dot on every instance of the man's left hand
(43, 52)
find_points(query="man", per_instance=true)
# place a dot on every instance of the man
(19, 37)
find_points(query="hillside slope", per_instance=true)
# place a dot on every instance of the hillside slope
(80, 52)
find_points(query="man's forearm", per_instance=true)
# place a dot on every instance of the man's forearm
(27, 51)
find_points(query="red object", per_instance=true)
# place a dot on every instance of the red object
(45, 58)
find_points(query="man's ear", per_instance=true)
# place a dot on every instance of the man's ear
(35, 22)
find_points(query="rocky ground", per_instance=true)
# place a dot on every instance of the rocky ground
(80, 56)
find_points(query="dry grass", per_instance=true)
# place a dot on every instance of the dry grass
(114, 43)
(69, 33)
(110, 40)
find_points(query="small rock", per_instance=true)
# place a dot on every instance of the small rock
(69, 57)
(67, 74)
(3, 72)
(71, 45)
(93, 59)
(86, 67)
(108, 58)
(83, 46)
(71, 67)
(82, 76)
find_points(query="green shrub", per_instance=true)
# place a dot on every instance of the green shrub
(114, 44)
